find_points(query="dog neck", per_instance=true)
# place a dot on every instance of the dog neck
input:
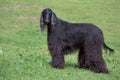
(49, 28)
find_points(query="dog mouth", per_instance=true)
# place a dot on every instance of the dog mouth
(46, 21)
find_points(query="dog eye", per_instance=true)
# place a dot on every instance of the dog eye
(45, 12)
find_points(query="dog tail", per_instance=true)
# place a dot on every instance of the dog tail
(108, 48)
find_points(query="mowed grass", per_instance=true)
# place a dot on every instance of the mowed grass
(23, 47)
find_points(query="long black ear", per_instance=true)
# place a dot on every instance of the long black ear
(53, 20)
(42, 25)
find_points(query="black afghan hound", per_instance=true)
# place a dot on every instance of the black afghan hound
(64, 37)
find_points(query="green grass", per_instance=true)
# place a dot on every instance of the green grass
(23, 47)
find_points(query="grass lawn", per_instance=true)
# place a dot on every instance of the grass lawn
(23, 47)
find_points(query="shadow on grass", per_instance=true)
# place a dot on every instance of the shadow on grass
(71, 65)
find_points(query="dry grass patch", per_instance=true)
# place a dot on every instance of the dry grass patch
(22, 6)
